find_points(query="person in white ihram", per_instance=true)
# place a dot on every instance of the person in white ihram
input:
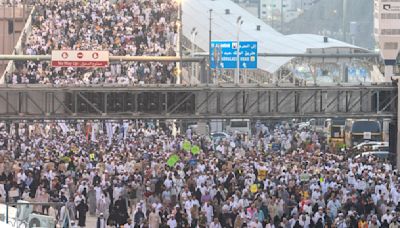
(208, 209)
(215, 224)
(172, 222)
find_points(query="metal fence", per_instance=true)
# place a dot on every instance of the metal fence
(24, 214)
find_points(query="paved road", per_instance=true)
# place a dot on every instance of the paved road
(91, 221)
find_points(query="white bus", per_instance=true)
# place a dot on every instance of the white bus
(239, 126)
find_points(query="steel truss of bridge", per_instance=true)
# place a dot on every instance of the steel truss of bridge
(39, 102)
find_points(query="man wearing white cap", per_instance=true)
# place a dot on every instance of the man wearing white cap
(215, 224)
(101, 222)
(374, 222)
(340, 221)
(319, 215)
(387, 217)
(172, 222)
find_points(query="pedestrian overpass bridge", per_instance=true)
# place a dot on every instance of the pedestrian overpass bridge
(196, 102)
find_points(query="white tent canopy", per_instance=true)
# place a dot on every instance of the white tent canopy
(196, 15)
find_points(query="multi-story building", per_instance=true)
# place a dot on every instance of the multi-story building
(387, 33)
(290, 8)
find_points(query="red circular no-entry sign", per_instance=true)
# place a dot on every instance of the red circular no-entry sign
(64, 55)
(95, 55)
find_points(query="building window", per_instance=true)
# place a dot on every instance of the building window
(390, 16)
(390, 45)
(390, 32)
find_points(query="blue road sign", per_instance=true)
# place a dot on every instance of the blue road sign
(351, 71)
(276, 146)
(223, 54)
(363, 72)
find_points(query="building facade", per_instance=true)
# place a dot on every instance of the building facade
(387, 33)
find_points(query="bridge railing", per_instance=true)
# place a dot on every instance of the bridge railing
(19, 47)
(213, 101)
(28, 87)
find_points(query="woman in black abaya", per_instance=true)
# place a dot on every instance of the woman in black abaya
(82, 208)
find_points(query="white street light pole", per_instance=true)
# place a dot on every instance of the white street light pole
(13, 21)
(239, 22)
(209, 48)
(194, 34)
(179, 74)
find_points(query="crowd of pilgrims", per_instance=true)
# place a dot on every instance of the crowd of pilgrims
(118, 172)
(122, 27)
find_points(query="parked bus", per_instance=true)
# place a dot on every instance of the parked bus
(335, 130)
(358, 131)
(239, 126)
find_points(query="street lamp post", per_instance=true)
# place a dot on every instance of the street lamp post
(209, 48)
(344, 18)
(281, 15)
(13, 21)
(179, 74)
(239, 22)
(194, 34)
(23, 10)
(4, 34)
(270, 16)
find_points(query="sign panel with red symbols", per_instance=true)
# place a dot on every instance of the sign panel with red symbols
(68, 58)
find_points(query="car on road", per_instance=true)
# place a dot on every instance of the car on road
(379, 154)
(369, 145)
(220, 135)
